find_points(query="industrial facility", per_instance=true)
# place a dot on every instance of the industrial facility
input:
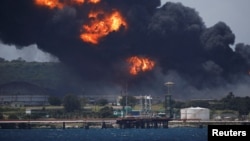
(195, 113)
(19, 94)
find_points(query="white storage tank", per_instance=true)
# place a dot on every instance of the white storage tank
(195, 113)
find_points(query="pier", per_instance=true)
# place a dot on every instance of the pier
(122, 123)
(63, 124)
(142, 123)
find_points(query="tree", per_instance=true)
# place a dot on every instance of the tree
(128, 101)
(198, 103)
(71, 103)
(83, 101)
(102, 102)
(241, 105)
(53, 100)
(2, 59)
(106, 112)
(1, 116)
(178, 104)
(228, 101)
(12, 116)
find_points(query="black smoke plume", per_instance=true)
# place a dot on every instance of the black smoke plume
(198, 59)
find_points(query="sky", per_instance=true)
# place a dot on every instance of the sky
(234, 13)
(29, 54)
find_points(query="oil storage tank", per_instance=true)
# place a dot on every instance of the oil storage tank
(195, 113)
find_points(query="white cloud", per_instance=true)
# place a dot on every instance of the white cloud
(30, 53)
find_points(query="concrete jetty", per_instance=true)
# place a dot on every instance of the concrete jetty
(83, 123)
(121, 123)
(142, 122)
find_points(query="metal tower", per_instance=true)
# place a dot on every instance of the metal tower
(145, 105)
(168, 100)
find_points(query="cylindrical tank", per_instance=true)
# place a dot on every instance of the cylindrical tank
(195, 113)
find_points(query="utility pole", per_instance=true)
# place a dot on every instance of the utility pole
(126, 94)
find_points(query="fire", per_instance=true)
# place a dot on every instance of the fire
(88, 1)
(101, 27)
(49, 3)
(140, 64)
(94, 1)
(101, 23)
(60, 3)
(78, 1)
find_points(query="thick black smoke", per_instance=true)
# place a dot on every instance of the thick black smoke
(197, 58)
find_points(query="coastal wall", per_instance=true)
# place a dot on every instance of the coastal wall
(104, 123)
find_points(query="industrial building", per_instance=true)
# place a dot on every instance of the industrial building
(18, 94)
(145, 110)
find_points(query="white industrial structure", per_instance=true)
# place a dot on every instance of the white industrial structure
(195, 113)
(146, 104)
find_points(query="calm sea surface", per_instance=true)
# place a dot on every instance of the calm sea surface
(169, 134)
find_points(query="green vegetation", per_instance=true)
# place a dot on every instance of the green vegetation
(50, 75)
(106, 112)
(128, 100)
(234, 104)
(56, 77)
(102, 102)
(54, 100)
(74, 107)
(1, 116)
(71, 103)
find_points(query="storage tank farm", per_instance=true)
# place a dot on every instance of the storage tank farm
(195, 113)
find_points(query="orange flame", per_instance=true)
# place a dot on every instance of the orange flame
(94, 1)
(49, 3)
(101, 27)
(140, 64)
(88, 1)
(78, 1)
(60, 4)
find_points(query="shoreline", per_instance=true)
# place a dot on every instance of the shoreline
(102, 123)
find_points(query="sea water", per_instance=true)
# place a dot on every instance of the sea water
(109, 134)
